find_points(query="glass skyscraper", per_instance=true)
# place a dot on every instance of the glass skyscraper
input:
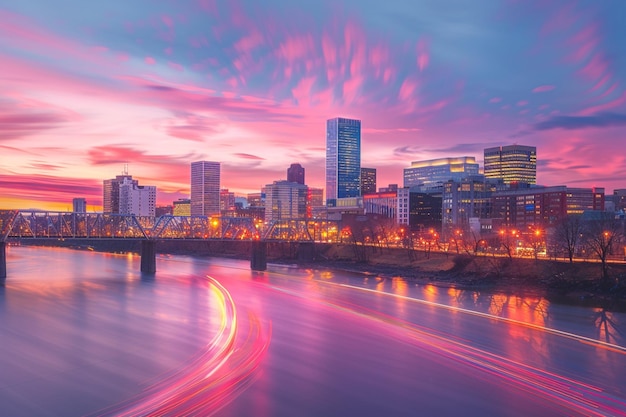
(343, 159)
(512, 164)
(431, 174)
(205, 188)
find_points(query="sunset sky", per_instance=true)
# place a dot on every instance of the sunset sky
(88, 86)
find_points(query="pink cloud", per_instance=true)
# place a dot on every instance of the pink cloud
(175, 66)
(522, 103)
(422, 55)
(149, 60)
(543, 88)
(495, 100)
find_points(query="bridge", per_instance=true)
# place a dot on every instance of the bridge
(77, 227)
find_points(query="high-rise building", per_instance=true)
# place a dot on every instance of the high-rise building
(79, 205)
(111, 192)
(285, 200)
(124, 195)
(136, 199)
(295, 173)
(512, 164)
(343, 159)
(432, 173)
(205, 188)
(368, 181)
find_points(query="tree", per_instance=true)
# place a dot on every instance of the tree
(600, 234)
(567, 234)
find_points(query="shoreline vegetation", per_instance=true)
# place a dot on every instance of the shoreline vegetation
(560, 281)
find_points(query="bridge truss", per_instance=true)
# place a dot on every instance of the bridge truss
(68, 225)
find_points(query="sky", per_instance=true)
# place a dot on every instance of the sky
(87, 87)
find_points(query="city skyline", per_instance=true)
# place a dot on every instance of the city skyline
(88, 89)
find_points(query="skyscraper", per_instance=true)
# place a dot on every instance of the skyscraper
(205, 188)
(512, 164)
(368, 181)
(343, 159)
(295, 173)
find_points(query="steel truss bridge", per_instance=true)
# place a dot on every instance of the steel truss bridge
(24, 224)
(36, 224)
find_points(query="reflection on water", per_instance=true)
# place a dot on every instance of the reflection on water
(83, 331)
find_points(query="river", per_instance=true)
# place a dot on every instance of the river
(86, 334)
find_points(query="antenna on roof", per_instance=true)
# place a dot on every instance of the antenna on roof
(125, 172)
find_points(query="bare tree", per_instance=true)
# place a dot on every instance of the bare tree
(600, 235)
(567, 234)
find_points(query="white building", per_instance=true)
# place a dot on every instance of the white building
(139, 200)
(402, 212)
(205, 188)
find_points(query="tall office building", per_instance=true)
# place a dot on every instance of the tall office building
(205, 188)
(343, 159)
(79, 205)
(512, 164)
(295, 173)
(432, 173)
(368, 181)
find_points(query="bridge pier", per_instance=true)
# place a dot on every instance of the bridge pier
(148, 256)
(3, 260)
(258, 255)
(306, 251)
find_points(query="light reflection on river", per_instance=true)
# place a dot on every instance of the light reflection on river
(86, 333)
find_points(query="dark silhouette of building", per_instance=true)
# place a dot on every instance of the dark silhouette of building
(295, 173)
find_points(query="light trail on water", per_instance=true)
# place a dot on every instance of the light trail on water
(578, 397)
(214, 378)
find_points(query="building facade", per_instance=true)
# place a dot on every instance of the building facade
(343, 159)
(79, 205)
(285, 200)
(227, 200)
(464, 200)
(382, 203)
(295, 173)
(424, 211)
(139, 200)
(368, 180)
(545, 205)
(511, 164)
(111, 193)
(182, 207)
(205, 188)
(431, 174)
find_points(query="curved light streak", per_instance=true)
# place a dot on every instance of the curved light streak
(214, 378)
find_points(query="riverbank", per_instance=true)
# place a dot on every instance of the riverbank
(577, 283)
